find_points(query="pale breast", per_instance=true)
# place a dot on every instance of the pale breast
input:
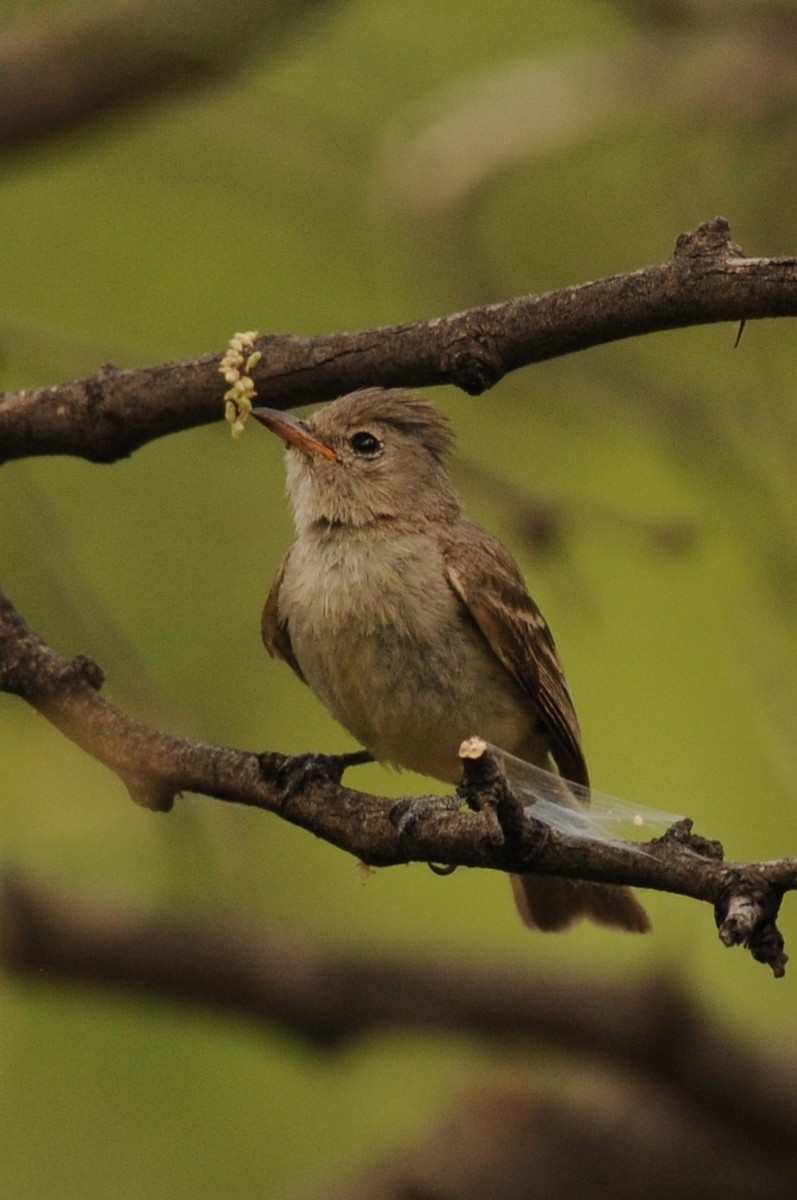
(386, 645)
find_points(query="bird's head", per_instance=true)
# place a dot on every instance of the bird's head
(374, 455)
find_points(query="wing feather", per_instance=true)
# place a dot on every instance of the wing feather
(491, 587)
(274, 628)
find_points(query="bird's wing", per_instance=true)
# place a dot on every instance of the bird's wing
(492, 589)
(274, 628)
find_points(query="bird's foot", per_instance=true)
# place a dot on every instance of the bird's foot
(406, 814)
(293, 773)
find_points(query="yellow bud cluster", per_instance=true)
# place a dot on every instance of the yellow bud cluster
(235, 367)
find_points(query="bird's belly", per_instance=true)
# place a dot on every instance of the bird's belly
(412, 704)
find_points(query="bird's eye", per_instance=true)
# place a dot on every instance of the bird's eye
(365, 443)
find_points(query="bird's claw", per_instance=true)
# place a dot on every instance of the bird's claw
(293, 773)
(406, 814)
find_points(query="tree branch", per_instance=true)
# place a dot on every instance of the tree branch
(111, 414)
(503, 835)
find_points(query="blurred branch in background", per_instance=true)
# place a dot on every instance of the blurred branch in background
(719, 1119)
(601, 1135)
(544, 525)
(477, 154)
(742, 453)
(703, 62)
(551, 527)
(63, 68)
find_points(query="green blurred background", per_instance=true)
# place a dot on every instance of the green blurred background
(387, 161)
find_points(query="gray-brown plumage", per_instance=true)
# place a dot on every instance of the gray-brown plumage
(412, 624)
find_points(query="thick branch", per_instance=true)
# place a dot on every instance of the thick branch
(156, 767)
(111, 414)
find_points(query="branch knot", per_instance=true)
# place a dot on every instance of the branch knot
(472, 361)
(712, 239)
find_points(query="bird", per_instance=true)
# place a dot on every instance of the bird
(412, 624)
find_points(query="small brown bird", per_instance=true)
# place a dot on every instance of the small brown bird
(412, 624)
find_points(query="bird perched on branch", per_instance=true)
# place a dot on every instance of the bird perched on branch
(412, 624)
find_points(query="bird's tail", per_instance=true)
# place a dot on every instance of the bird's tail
(551, 904)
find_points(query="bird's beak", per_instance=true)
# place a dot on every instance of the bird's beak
(293, 431)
